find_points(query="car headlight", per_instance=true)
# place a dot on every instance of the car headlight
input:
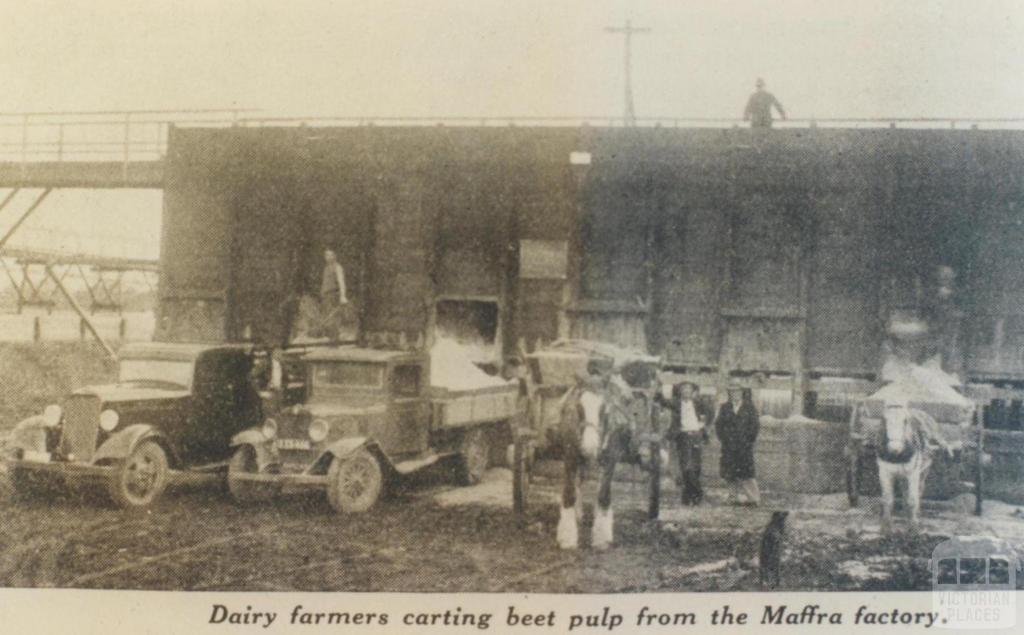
(269, 428)
(108, 420)
(52, 415)
(318, 430)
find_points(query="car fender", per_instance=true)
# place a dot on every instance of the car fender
(29, 434)
(121, 443)
(265, 452)
(343, 447)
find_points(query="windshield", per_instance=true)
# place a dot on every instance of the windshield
(348, 375)
(159, 370)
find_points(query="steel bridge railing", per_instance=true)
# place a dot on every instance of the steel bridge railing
(121, 136)
(962, 123)
(141, 135)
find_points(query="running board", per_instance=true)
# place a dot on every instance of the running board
(411, 465)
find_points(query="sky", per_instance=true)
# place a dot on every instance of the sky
(869, 58)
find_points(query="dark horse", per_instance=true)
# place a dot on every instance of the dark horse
(600, 417)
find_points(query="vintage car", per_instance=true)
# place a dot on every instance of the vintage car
(174, 407)
(369, 414)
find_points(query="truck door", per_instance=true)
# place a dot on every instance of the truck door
(409, 418)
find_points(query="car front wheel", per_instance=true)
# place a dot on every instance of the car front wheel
(139, 479)
(354, 482)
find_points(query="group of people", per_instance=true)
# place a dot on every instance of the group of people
(736, 425)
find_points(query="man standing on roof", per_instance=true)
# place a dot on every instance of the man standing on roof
(759, 107)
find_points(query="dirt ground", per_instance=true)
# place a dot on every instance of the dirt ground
(432, 536)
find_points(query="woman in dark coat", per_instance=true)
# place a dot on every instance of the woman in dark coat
(737, 425)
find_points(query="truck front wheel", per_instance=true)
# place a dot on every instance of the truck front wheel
(354, 482)
(244, 491)
(474, 456)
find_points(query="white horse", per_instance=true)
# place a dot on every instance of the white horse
(903, 449)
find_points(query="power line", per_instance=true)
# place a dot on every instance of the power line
(628, 31)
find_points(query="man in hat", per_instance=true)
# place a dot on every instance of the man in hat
(688, 432)
(759, 107)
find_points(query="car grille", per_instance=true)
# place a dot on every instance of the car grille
(81, 427)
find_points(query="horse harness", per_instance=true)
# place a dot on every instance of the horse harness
(915, 443)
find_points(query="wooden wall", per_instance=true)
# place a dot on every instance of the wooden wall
(727, 250)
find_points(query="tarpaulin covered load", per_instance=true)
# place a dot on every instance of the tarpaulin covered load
(926, 388)
(563, 360)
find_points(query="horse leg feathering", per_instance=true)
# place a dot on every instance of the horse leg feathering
(617, 444)
(578, 507)
(568, 521)
(568, 529)
(915, 482)
(590, 444)
(603, 532)
(914, 502)
(887, 477)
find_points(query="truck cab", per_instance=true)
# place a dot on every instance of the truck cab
(358, 392)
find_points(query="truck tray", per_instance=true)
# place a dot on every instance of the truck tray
(468, 407)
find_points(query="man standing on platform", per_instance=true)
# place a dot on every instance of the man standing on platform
(688, 432)
(333, 298)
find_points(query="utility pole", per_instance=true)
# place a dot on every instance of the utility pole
(630, 115)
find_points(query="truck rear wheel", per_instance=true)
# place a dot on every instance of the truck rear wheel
(246, 492)
(474, 456)
(354, 482)
(139, 479)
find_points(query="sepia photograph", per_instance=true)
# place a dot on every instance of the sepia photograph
(513, 298)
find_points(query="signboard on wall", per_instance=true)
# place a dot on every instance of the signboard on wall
(543, 259)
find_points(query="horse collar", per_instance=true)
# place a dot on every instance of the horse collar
(903, 456)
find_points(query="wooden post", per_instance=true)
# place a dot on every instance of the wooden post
(979, 474)
(37, 331)
(519, 475)
(127, 145)
(854, 446)
(24, 142)
(654, 494)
